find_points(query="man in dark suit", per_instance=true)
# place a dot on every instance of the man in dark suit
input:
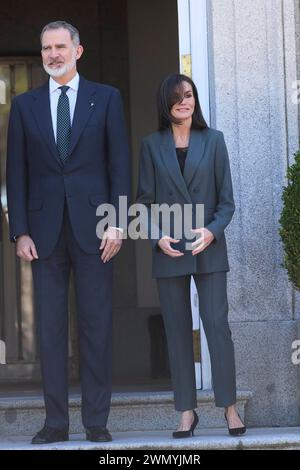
(67, 154)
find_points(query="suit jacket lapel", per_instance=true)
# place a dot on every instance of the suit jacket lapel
(170, 160)
(42, 114)
(194, 155)
(85, 105)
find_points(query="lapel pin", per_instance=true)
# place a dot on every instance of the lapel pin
(92, 104)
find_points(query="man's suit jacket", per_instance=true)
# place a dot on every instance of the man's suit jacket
(97, 170)
(206, 180)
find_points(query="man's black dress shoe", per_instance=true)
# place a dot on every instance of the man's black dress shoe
(190, 432)
(235, 431)
(98, 434)
(48, 435)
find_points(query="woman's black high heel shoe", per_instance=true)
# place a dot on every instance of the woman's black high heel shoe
(235, 431)
(190, 432)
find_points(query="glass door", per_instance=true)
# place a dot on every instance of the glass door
(17, 75)
(18, 347)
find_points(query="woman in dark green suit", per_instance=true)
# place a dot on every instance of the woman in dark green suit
(186, 162)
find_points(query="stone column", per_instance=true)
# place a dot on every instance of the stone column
(252, 68)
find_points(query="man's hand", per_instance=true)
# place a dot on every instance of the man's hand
(205, 239)
(25, 248)
(164, 244)
(111, 243)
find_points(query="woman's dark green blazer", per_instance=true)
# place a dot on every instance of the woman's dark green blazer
(206, 180)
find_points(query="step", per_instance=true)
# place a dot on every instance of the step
(204, 439)
(23, 414)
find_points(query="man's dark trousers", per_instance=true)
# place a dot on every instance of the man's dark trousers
(93, 285)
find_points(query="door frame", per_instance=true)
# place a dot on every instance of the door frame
(193, 61)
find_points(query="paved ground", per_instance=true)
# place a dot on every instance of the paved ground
(255, 438)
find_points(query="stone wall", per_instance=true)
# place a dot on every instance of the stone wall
(253, 65)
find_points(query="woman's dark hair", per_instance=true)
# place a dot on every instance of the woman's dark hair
(170, 92)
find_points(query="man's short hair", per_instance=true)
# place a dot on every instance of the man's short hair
(74, 33)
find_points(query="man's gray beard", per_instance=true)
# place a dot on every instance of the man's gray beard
(57, 73)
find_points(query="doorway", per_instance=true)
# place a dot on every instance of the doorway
(130, 44)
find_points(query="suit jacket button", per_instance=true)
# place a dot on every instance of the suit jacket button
(196, 190)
